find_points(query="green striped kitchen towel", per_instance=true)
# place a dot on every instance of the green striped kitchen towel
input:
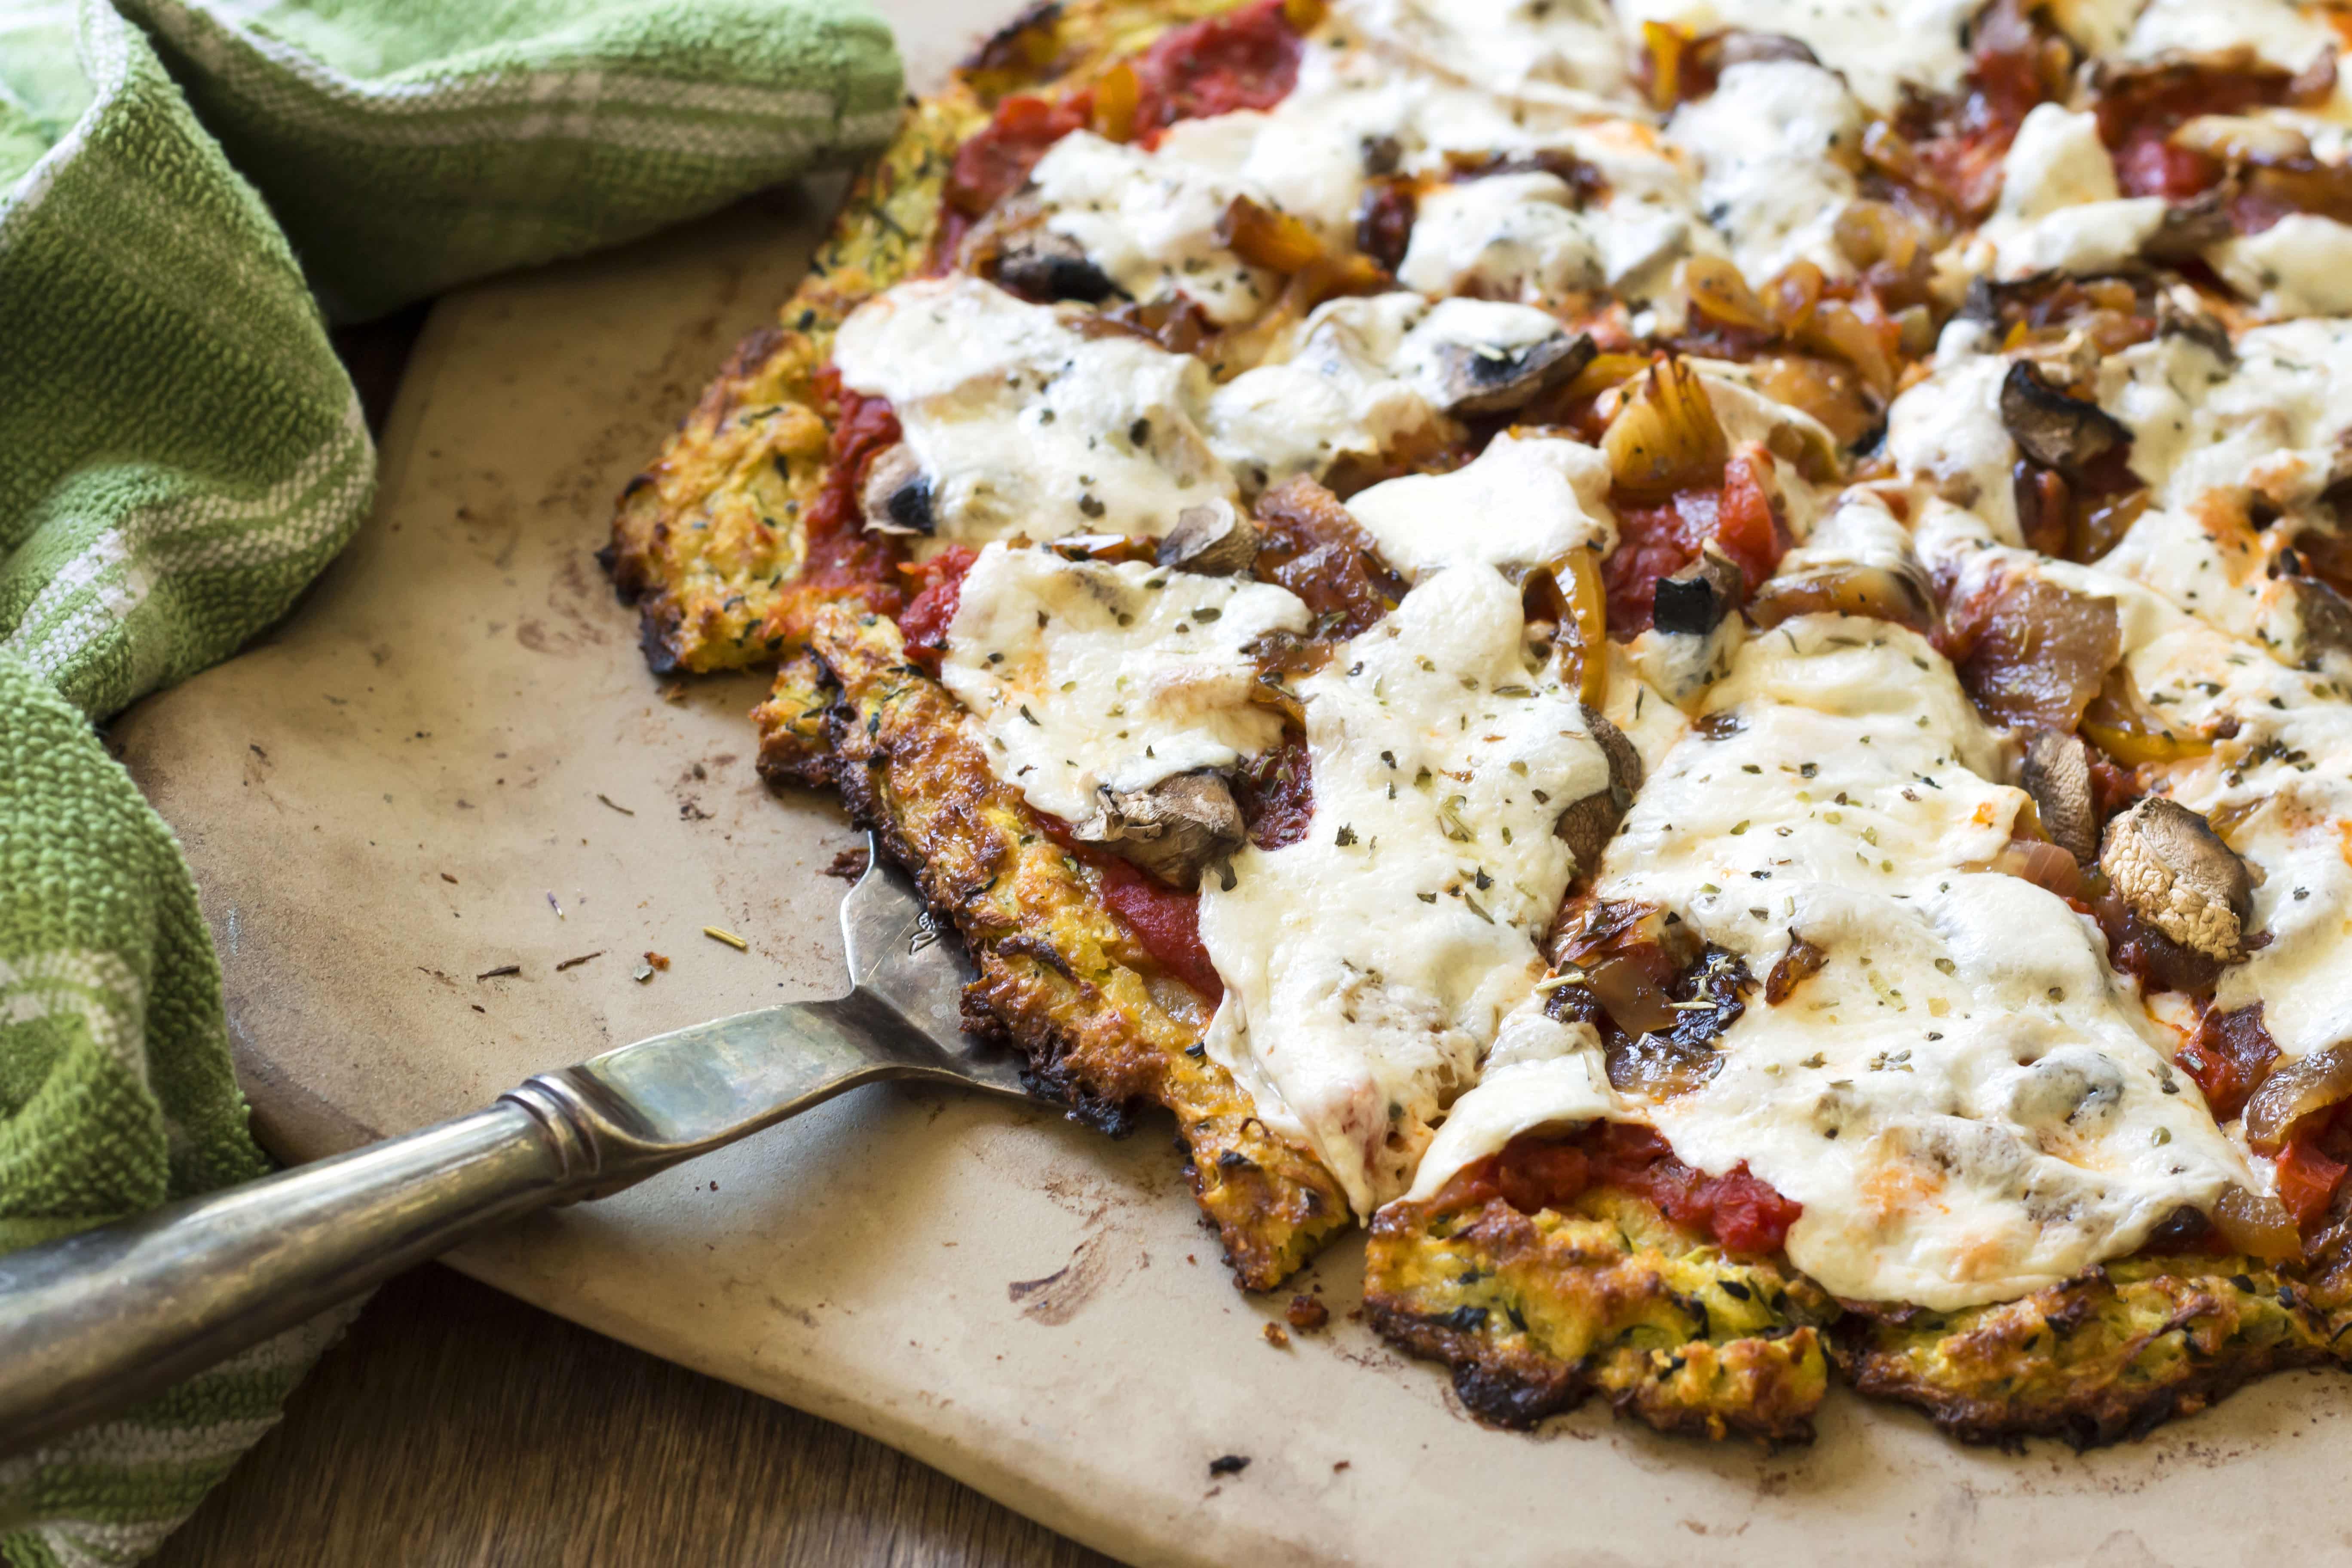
(182, 182)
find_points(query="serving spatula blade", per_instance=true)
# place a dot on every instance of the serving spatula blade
(98, 1322)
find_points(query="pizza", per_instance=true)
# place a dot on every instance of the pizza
(1691, 658)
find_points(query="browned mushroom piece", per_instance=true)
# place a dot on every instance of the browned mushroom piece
(2057, 774)
(1478, 379)
(1696, 599)
(2320, 621)
(1849, 588)
(2181, 314)
(898, 497)
(2188, 227)
(1213, 538)
(2054, 429)
(2172, 869)
(1048, 267)
(1737, 46)
(1172, 829)
(1587, 826)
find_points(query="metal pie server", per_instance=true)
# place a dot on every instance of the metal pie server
(98, 1322)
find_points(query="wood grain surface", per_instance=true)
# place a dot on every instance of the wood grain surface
(455, 1427)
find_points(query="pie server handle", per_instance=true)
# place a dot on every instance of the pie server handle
(97, 1322)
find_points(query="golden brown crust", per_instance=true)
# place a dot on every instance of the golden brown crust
(1060, 976)
(2107, 1356)
(707, 540)
(1536, 1312)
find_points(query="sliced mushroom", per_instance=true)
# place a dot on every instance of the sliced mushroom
(2181, 314)
(2188, 227)
(2057, 774)
(2173, 871)
(2052, 428)
(1695, 600)
(1737, 46)
(2317, 623)
(1172, 829)
(1882, 593)
(897, 497)
(1049, 267)
(1213, 538)
(1475, 378)
(1587, 826)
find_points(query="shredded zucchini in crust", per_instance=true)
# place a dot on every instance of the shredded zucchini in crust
(1061, 977)
(708, 540)
(2109, 1355)
(1536, 1312)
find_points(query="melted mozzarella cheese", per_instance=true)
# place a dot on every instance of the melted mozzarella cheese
(2281, 33)
(1948, 430)
(1540, 1073)
(1149, 217)
(1360, 375)
(2300, 265)
(1775, 139)
(2279, 789)
(2061, 210)
(1525, 501)
(1526, 236)
(1505, 236)
(1086, 676)
(1878, 45)
(1966, 1102)
(1025, 425)
(1149, 221)
(1562, 53)
(2210, 438)
(1368, 965)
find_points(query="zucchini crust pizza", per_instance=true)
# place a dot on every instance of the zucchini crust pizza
(1695, 658)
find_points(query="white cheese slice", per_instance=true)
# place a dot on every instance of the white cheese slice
(1085, 676)
(1525, 501)
(1541, 1073)
(1776, 140)
(1149, 221)
(1149, 217)
(1367, 966)
(2061, 210)
(1878, 45)
(1556, 53)
(1947, 430)
(1527, 236)
(1511, 236)
(2300, 265)
(1023, 424)
(1967, 1105)
(2287, 36)
(1357, 376)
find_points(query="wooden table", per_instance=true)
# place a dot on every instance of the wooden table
(455, 1425)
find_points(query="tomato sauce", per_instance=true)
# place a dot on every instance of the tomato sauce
(2014, 64)
(1164, 921)
(842, 561)
(1742, 1213)
(1249, 60)
(1658, 540)
(938, 586)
